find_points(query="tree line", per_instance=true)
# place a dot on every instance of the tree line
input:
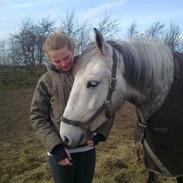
(25, 48)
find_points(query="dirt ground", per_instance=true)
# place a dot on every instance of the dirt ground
(23, 158)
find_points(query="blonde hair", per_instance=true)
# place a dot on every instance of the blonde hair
(58, 40)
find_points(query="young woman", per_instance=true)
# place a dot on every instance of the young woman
(48, 104)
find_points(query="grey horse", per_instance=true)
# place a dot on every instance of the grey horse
(141, 71)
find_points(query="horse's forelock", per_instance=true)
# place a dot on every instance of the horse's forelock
(88, 52)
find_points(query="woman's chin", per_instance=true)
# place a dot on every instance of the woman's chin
(66, 69)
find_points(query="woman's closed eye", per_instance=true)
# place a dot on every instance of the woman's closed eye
(66, 58)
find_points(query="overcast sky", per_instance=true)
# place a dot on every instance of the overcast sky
(143, 12)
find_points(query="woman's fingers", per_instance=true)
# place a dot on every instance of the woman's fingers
(65, 162)
(90, 143)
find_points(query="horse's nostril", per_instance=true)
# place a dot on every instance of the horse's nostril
(66, 140)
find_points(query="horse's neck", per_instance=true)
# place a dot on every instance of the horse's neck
(149, 103)
(149, 99)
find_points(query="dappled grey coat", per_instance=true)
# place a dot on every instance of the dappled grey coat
(48, 104)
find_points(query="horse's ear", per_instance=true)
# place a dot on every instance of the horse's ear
(101, 43)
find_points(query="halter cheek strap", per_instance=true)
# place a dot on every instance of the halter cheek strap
(106, 107)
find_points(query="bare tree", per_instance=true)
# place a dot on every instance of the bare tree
(181, 46)
(68, 24)
(5, 58)
(24, 43)
(155, 30)
(173, 37)
(108, 26)
(132, 30)
(42, 30)
(82, 37)
(80, 32)
(2, 52)
(13, 47)
(27, 44)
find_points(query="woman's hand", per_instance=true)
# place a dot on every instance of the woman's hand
(67, 161)
(96, 139)
(90, 143)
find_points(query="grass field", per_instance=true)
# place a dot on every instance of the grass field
(23, 159)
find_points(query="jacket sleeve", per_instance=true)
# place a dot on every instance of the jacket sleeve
(40, 117)
(106, 127)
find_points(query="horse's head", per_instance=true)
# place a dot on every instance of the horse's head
(95, 91)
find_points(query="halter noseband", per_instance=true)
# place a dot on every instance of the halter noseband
(106, 105)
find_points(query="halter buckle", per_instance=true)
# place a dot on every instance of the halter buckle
(142, 124)
(108, 104)
(112, 83)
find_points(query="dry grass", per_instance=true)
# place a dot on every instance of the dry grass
(24, 160)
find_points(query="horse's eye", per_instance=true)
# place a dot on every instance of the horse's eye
(92, 84)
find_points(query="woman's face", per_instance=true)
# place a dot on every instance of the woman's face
(62, 58)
